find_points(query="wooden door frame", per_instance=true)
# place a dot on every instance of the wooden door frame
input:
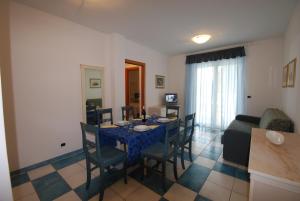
(142, 66)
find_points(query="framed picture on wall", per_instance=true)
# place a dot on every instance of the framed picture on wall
(159, 81)
(291, 73)
(285, 76)
(95, 83)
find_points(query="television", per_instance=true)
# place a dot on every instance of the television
(171, 98)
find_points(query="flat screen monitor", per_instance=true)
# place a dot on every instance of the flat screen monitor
(171, 98)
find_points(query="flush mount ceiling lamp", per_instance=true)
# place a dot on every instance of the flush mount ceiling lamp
(200, 39)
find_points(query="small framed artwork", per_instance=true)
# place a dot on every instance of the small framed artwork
(159, 81)
(285, 76)
(95, 83)
(291, 73)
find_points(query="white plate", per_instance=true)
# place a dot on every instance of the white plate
(275, 137)
(163, 120)
(122, 123)
(141, 128)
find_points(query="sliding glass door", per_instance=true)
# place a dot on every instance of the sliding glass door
(216, 91)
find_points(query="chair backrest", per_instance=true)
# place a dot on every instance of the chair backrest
(170, 109)
(172, 136)
(189, 124)
(90, 139)
(127, 112)
(102, 116)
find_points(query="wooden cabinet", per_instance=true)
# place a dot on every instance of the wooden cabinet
(274, 170)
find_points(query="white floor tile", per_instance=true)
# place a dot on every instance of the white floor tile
(221, 179)
(39, 172)
(238, 197)
(215, 192)
(205, 162)
(71, 170)
(70, 196)
(23, 190)
(178, 192)
(241, 187)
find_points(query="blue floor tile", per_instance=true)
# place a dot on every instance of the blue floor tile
(194, 177)
(201, 198)
(153, 181)
(17, 180)
(68, 161)
(232, 171)
(91, 192)
(50, 186)
(94, 185)
(226, 169)
(242, 174)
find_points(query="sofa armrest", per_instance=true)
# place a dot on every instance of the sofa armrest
(236, 146)
(246, 118)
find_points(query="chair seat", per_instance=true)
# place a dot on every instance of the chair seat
(109, 155)
(156, 151)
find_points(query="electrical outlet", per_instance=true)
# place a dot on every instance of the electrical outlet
(63, 144)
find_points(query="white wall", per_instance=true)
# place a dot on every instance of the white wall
(176, 79)
(46, 55)
(5, 185)
(91, 93)
(155, 65)
(263, 58)
(291, 96)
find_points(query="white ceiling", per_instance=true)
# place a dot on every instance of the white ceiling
(168, 25)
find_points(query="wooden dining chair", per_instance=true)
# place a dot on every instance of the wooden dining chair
(102, 116)
(103, 157)
(186, 136)
(164, 151)
(127, 112)
(172, 111)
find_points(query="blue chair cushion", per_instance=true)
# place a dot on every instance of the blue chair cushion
(156, 151)
(109, 155)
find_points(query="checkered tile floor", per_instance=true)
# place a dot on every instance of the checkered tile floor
(209, 177)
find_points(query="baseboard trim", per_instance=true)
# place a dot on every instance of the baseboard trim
(43, 163)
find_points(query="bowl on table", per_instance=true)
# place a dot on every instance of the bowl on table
(141, 128)
(163, 120)
(123, 123)
(275, 137)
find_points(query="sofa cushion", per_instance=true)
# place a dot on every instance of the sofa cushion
(242, 126)
(275, 119)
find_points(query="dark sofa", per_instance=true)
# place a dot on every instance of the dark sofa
(237, 137)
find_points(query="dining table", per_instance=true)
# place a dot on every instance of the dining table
(135, 141)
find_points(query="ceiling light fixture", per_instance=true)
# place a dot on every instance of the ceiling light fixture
(199, 39)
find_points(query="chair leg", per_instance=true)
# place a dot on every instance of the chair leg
(88, 174)
(190, 150)
(164, 175)
(143, 168)
(182, 157)
(125, 171)
(101, 186)
(175, 167)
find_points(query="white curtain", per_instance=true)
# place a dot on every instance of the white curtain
(215, 91)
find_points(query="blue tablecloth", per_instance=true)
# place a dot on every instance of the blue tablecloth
(136, 141)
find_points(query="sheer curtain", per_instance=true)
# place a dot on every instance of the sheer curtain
(215, 91)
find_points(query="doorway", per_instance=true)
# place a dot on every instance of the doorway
(135, 85)
(92, 87)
